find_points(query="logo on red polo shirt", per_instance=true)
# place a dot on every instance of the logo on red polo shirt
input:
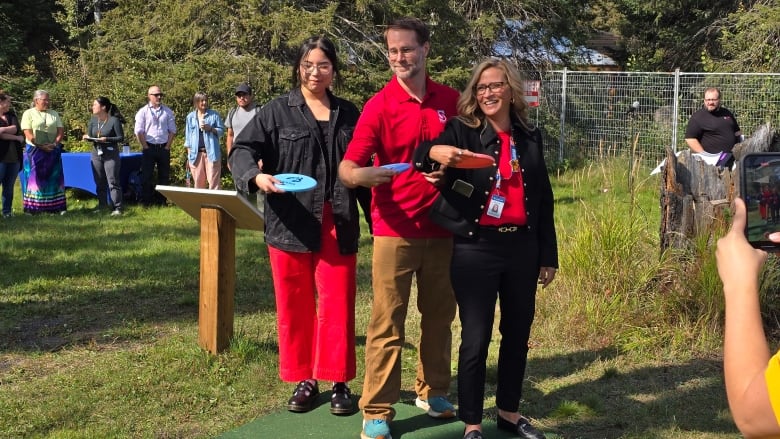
(442, 116)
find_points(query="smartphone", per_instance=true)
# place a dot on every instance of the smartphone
(463, 188)
(760, 188)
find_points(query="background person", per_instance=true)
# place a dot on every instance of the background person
(155, 127)
(239, 115)
(312, 236)
(712, 128)
(105, 125)
(43, 183)
(235, 121)
(752, 374)
(411, 108)
(505, 241)
(10, 152)
(203, 128)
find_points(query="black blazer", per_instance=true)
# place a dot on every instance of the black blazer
(460, 214)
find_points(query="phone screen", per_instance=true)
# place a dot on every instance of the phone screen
(760, 188)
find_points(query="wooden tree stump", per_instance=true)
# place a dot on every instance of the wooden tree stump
(694, 194)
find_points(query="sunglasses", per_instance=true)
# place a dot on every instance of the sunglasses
(157, 95)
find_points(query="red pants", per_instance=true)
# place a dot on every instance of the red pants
(315, 309)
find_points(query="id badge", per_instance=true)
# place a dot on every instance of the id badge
(496, 206)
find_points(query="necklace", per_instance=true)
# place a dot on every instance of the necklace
(100, 127)
(44, 118)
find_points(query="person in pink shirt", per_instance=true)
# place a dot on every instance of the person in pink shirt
(410, 109)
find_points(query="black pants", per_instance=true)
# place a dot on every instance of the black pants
(160, 157)
(495, 266)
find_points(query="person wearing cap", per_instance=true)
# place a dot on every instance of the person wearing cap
(155, 127)
(240, 115)
(236, 120)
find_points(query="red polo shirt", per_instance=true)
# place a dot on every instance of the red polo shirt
(392, 125)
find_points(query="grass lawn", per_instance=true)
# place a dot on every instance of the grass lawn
(98, 327)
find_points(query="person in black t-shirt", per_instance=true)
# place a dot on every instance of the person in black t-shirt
(713, 128)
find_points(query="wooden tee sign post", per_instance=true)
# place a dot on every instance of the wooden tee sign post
(219, 213)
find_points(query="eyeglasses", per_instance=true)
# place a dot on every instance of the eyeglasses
(157, 95)
(494, 87)
(322, 68)
(403, 51)
(242, 95)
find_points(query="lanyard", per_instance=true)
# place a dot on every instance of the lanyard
(514, 163)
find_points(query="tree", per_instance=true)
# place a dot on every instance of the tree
(27, 37)
(664, 34)
(750, 39)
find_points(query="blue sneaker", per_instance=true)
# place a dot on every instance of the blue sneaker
(437, 407)
(375, 429)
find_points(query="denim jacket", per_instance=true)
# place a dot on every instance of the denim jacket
(211, 140)
(285, 136)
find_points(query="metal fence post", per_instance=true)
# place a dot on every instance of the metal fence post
(563, 116)
(675, 108)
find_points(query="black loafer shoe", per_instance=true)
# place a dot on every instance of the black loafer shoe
(341, 400)
(523, 428)
(473, 434)
(303, 397)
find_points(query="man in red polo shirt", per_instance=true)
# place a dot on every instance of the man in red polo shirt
(410, 109)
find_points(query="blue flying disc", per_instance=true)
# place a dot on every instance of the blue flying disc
(397, 167)
(295, 182)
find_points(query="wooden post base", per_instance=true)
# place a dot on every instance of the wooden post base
(217, 279)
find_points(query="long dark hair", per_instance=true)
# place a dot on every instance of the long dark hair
(110, 108)
(316, 42)
(6, 97)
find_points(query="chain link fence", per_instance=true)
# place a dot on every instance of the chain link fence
(592, 115)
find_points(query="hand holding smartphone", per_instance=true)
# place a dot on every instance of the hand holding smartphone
(760, 188)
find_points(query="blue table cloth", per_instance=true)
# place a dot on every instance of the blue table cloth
(77, 169)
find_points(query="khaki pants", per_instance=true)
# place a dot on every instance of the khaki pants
(395, 262)
(206, 174)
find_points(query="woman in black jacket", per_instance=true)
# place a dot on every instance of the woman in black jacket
(505, 242)
(11, 139)
(312, 236)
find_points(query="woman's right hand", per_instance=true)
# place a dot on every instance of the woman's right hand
(266, 184)
(448, 155)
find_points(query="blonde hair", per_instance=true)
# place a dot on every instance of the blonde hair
(468, 106)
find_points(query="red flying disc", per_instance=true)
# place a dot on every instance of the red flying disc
(469, 161)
